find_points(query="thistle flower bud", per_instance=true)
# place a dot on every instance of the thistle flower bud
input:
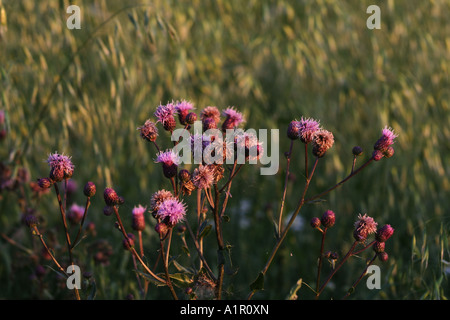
(89, 189)
(389, 152)
(357, 150)
(45, 183)
(191, 118)
(383, 256)
(377, 155)
(128, 242)
(30, 220)
(328, 219)
(293, 131)
(161, 228)
(378, 246)
(149, 131)
(315, 222)
(108, 210)
(170, 124)
(56, 174)
(111, 197)
(384, 233)
(138, 219)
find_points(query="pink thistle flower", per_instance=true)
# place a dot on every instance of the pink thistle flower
(307, 129)
(138, 219)
(61, 166)
(183, 108)
(149, 131)
(172, 210)
(165, 115)
(364, 226)
(170, 161)
(386, 139)
(384, 233)
(75, 213)
(233, 118)
(202, 177)
(157, 198)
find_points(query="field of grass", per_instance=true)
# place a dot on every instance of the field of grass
(85, 92)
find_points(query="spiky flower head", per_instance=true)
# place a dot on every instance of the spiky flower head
(148, 131)
(138, 219)
(250, 145)
(386, 139)
(157, 198)
(323, 140)
(172, 210)
(183, 108)
(293, 131)
(308, 128)
(61, 166)
(233, 118)
(364, 226)
(165, 115)
(170, 161)
(202, 177)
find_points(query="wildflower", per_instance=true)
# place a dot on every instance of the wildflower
(138, 219)
(165, 115)
(128, 242)
(293, 131)
(148, 131)
(377, 155)
(323, 140)
(383, 256)
(378, 246)
(315, 222)
(89, 189)
(328, 219)
(364, 226)
(233, 118)
(357, 150)
(202, 177)
(384, 233)
(158, 198)
(172, 210)
(183, 109)
(61, 167)
(170, 161)
(75, 213)
(386, 139)
(307, 129)
(45, 183)
(210, 113)
(111, 197)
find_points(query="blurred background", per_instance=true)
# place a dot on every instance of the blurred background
(84, 93)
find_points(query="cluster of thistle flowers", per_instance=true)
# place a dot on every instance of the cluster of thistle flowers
(165, 206)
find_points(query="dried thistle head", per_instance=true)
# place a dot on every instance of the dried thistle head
(323, 140)
(148, 131)
(364, 226)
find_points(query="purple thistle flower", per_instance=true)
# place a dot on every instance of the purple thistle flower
(75, 213)
(386, 139)
(183, 108)
(157, 198)
(60, 165)
(233, 118)
(307, 129)
(170, 161)
(165, 115)
(172, 210)
(168, 157)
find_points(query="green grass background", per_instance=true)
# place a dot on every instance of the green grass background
(273, 60)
